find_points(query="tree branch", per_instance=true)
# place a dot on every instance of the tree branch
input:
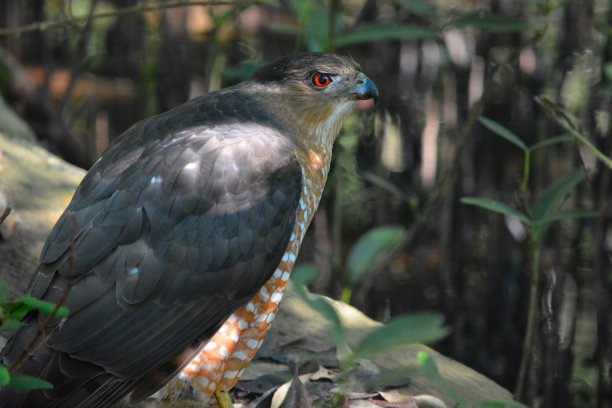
(53, 25)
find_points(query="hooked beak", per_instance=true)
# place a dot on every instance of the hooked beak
(365, 88)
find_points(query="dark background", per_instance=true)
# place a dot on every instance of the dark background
(439, 66)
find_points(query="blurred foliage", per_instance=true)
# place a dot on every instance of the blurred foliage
(367, 251)
(10, 315)
(414, 328)
(537, 219)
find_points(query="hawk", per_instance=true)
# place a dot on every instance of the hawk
(175, 250)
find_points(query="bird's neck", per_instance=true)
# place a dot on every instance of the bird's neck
(315, 129)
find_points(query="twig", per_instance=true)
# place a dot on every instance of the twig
(5, 214)
(562, 119)
(26, 353)
(331, 35)
(531, 318)
(53, 25)
(78, 57)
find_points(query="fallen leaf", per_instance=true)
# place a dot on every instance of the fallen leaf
(281, 393)
(358, 395)
(297, 396)
(429, 401)
(387, 404)
(324, 373)
(394, 396)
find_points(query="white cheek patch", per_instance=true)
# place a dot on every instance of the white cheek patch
(331, 126)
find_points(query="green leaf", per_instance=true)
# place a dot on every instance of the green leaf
(20, 382)
(300, 277)
(374, 33)
(430, 370)
(315, 29)
(322, 306)
(553, 195)
(428, 366)
(568, 215)
(17, 311)
(368, 249)
(11, 324)
(305, 274)
(607, 69)
(273, 3)
(570, 123)
(304, 9)
(418, 7)
(501, 404)
(413, 328)
(3, 291)
(283, 29)
(552, 141)
(503, 132)
(42, 306)
(239, 72)
(5, 376)
(391, 378)
(385, 185)
(496, 207)
(491, 23)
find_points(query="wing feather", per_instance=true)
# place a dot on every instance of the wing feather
(168, 234)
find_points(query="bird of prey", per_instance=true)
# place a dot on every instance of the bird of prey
(175, 250)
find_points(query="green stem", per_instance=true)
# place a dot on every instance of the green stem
(331, 35)
(347, 293)
(561, 118)
(526, 169)
(531, 316)
(587, 143)
(337, 227)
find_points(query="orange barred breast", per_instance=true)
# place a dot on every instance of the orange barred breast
(226, 355)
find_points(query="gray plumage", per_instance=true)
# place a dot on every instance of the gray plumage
(179, 223)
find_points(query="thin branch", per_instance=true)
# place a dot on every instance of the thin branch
(30, 351)
(53, 25)
(78, 57)
(5, 214)
(555, 113)
(331, 35)
(528, 340)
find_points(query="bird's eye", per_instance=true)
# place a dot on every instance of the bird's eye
(321, 80)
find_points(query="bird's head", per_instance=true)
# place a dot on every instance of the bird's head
(314, 92)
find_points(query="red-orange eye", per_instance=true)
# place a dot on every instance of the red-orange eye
(321, 80)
